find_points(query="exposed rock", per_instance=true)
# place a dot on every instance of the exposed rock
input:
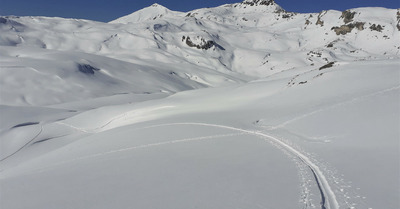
(202, 45)
(259, 2)
(329, 65)
(319, 75)
(288, 14)
(331, 44)
(87, 69)
(375, 27)
(398, 14)
(344, 29)
(359, 25)
(302, 82)
(347, 16)
(319, 21)
(313, 54)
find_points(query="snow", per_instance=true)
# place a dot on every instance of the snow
(257, 111)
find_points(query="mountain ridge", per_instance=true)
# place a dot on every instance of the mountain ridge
(242, 41)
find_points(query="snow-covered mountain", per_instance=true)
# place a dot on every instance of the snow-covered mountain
(243, 105)
(255, 38)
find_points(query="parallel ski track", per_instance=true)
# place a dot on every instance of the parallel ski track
(328, 197)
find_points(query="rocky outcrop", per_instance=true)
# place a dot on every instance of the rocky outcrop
(87, 69)
(202, 43)
(258, 2)
(347, 16)
(319, 21)
(329, 65)
(344, 29)
(375, 27)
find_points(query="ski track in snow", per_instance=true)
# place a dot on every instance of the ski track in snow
(328, 197)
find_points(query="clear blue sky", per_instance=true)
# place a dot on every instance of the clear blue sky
(107, 10)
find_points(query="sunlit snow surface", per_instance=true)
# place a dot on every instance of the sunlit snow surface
(118, 115)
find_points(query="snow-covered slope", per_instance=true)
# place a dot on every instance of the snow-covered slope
(243, 105)
(149, 13)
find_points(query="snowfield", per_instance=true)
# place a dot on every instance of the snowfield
(239, 106)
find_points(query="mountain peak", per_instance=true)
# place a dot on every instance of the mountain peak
(152, 12)
(157, 5)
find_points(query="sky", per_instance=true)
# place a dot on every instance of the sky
(107, 10)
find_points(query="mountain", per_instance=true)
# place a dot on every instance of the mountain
(149, 13)
(255, 38)
(242, 105)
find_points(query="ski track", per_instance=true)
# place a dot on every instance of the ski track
(328, 197)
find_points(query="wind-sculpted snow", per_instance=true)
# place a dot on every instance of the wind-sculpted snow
(239, 106)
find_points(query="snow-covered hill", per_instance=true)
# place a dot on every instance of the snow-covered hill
(243, 105)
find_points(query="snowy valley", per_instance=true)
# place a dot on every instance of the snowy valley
(243, 105)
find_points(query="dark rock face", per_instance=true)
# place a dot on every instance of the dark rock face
(347, 16)
(344, 29)
(287, 15)
(329, 65)
(203, 45)
(87, 69)
(259, 2)
(206, 45)
(375, 27)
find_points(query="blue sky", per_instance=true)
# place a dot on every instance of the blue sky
(107, 10)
